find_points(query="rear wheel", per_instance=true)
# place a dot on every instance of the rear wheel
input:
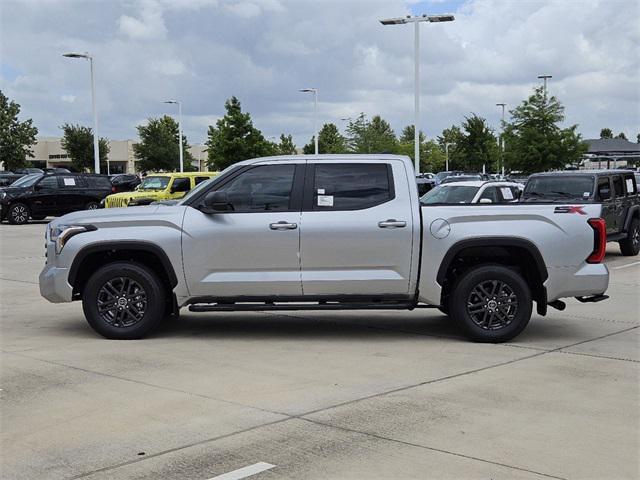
(491, 303)
(91, 206)
(123, 301)
(630, 246)
(18, 214)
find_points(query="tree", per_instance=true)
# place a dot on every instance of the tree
(606, 133)
(158, 148)
(478, 145)
(622, 136)
(16, 137)
(453, 137)
(329, 141)
(375, 136)
(638, 138)
(234, 138)
(286, 145)
(408, 136)
(77, 141)
(533, 140)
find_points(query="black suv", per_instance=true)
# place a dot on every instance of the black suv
(39, 195)
(616, 190)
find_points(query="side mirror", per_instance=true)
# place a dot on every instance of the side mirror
(605, 194)
(485, 200)
(215, 202)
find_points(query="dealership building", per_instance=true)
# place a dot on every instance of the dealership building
(48, 152)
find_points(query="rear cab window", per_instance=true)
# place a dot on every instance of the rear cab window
(351, 186)
(630, 185)
(617, 185)
(560, 187)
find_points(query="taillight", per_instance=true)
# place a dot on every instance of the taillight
(599, 240)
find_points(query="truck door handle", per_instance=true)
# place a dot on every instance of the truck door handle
(392, 223)
(282, 225)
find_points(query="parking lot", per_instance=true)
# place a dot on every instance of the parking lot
(345, 395)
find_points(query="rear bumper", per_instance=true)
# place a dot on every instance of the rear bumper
(586, 280)
(54, 285)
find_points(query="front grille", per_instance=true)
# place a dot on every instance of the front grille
(116, 202)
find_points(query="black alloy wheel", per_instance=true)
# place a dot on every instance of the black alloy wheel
(492, 304)
(18, 214)
(122, 302)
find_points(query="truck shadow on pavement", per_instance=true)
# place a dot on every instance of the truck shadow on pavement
(308, 325)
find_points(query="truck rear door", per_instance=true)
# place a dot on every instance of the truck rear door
(356, 232)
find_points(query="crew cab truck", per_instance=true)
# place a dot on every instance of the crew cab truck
(324, 232)
(616, 191)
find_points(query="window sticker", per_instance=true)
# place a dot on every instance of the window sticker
(586, 194)
(69, 182)
(506, 193)
(325, 200)
(321, 191)
(630, 188)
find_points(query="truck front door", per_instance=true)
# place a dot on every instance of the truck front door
(252, 250)
(356, 230)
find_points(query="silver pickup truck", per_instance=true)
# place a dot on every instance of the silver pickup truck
(324, 232)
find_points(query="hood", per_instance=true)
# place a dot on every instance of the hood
(123, 217)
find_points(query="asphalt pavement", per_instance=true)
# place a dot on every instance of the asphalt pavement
(315, 395)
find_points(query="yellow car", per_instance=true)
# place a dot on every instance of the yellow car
(158, 186)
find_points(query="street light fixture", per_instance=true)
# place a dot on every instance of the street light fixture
(416, 21)
(96, 144)
(315, 114)
(176, 102)
(545, 78)
(502, 136)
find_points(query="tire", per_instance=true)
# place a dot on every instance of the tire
(92, 206)
(18, 214)
(122, 319)
(38, 217)
(630, 246)
(476, 303)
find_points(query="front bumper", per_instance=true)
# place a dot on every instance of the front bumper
(54, 285)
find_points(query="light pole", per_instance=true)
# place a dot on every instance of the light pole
(502, 136)
(416, 21)
(96, 143)
(545, 78)
(315, 114)
(176, 102)
(446, 152)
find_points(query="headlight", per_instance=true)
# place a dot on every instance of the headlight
(3, 195)
(62, 233)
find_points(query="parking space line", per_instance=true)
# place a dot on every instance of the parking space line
(244, 472)
(626, 266)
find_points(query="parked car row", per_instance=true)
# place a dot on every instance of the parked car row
(38, 195)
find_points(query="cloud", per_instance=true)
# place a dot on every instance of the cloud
(203, 51)
(150, 24)
(68, 98)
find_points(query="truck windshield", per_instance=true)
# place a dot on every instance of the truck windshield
(27, 180)
(450, 194)
(560, 187)
(154, 183)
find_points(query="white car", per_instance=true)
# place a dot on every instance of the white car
(473, 192)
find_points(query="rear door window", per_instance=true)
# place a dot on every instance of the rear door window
(351, 186)
(201, 179)
(69, 182)
(181, 185)
(490, 193)
(617, 186)
(629, 185)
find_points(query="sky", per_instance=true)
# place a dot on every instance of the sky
(201, 52)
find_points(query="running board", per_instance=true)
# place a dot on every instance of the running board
(260, 307)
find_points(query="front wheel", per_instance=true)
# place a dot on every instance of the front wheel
(491, 303)
(91, 206)
(630, 246)
(18, 214)
(123, 301)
